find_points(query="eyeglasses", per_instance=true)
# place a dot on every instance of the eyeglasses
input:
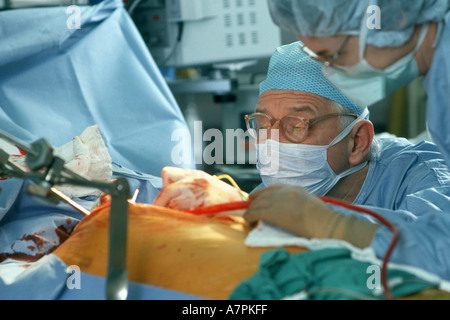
(294, 128)
(326, 60)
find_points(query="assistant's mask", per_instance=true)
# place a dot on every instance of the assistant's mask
(301, 164)
(366, 85)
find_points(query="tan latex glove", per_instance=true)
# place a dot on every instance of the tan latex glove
(297, 211)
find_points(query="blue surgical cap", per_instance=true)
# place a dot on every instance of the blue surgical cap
(315, 18)
(291, 69)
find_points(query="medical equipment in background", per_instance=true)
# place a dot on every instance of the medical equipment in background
(15, 4)
(219, 39)
(46, 171)
(184, 33)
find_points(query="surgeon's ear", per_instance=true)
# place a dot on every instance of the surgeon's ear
(362, 136)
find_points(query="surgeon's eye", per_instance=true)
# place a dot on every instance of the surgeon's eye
(294, 128)
(325, 57)
(259, 122)
(258, 126)
(297, 130)
(263, 123)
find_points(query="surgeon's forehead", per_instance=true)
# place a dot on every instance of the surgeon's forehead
(293, 101)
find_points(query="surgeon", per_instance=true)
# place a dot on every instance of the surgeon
(314, 141)
(369, 49)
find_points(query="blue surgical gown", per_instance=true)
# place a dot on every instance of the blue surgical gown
(437, 87)
(409, 184)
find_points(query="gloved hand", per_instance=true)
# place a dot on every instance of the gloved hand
(186, 189)
(297, 211)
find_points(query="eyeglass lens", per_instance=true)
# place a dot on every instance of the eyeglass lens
(293, 128)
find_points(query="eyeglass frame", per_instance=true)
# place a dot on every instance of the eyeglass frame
(308, 122)
(326, 61)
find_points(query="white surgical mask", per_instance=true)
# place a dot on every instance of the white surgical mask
(301, 164)
(366, 85)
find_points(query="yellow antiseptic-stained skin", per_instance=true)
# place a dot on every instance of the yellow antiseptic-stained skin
(199, 255)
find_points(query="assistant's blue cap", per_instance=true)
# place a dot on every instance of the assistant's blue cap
(292, 69)
(398, 19)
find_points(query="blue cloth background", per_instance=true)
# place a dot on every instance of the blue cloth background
(56, 81)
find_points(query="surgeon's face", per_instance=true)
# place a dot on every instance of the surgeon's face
(326, 47)
(280, 103)
(379, 58)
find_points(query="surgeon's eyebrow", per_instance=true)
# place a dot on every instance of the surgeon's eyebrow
(295, 108)
(302, 108)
